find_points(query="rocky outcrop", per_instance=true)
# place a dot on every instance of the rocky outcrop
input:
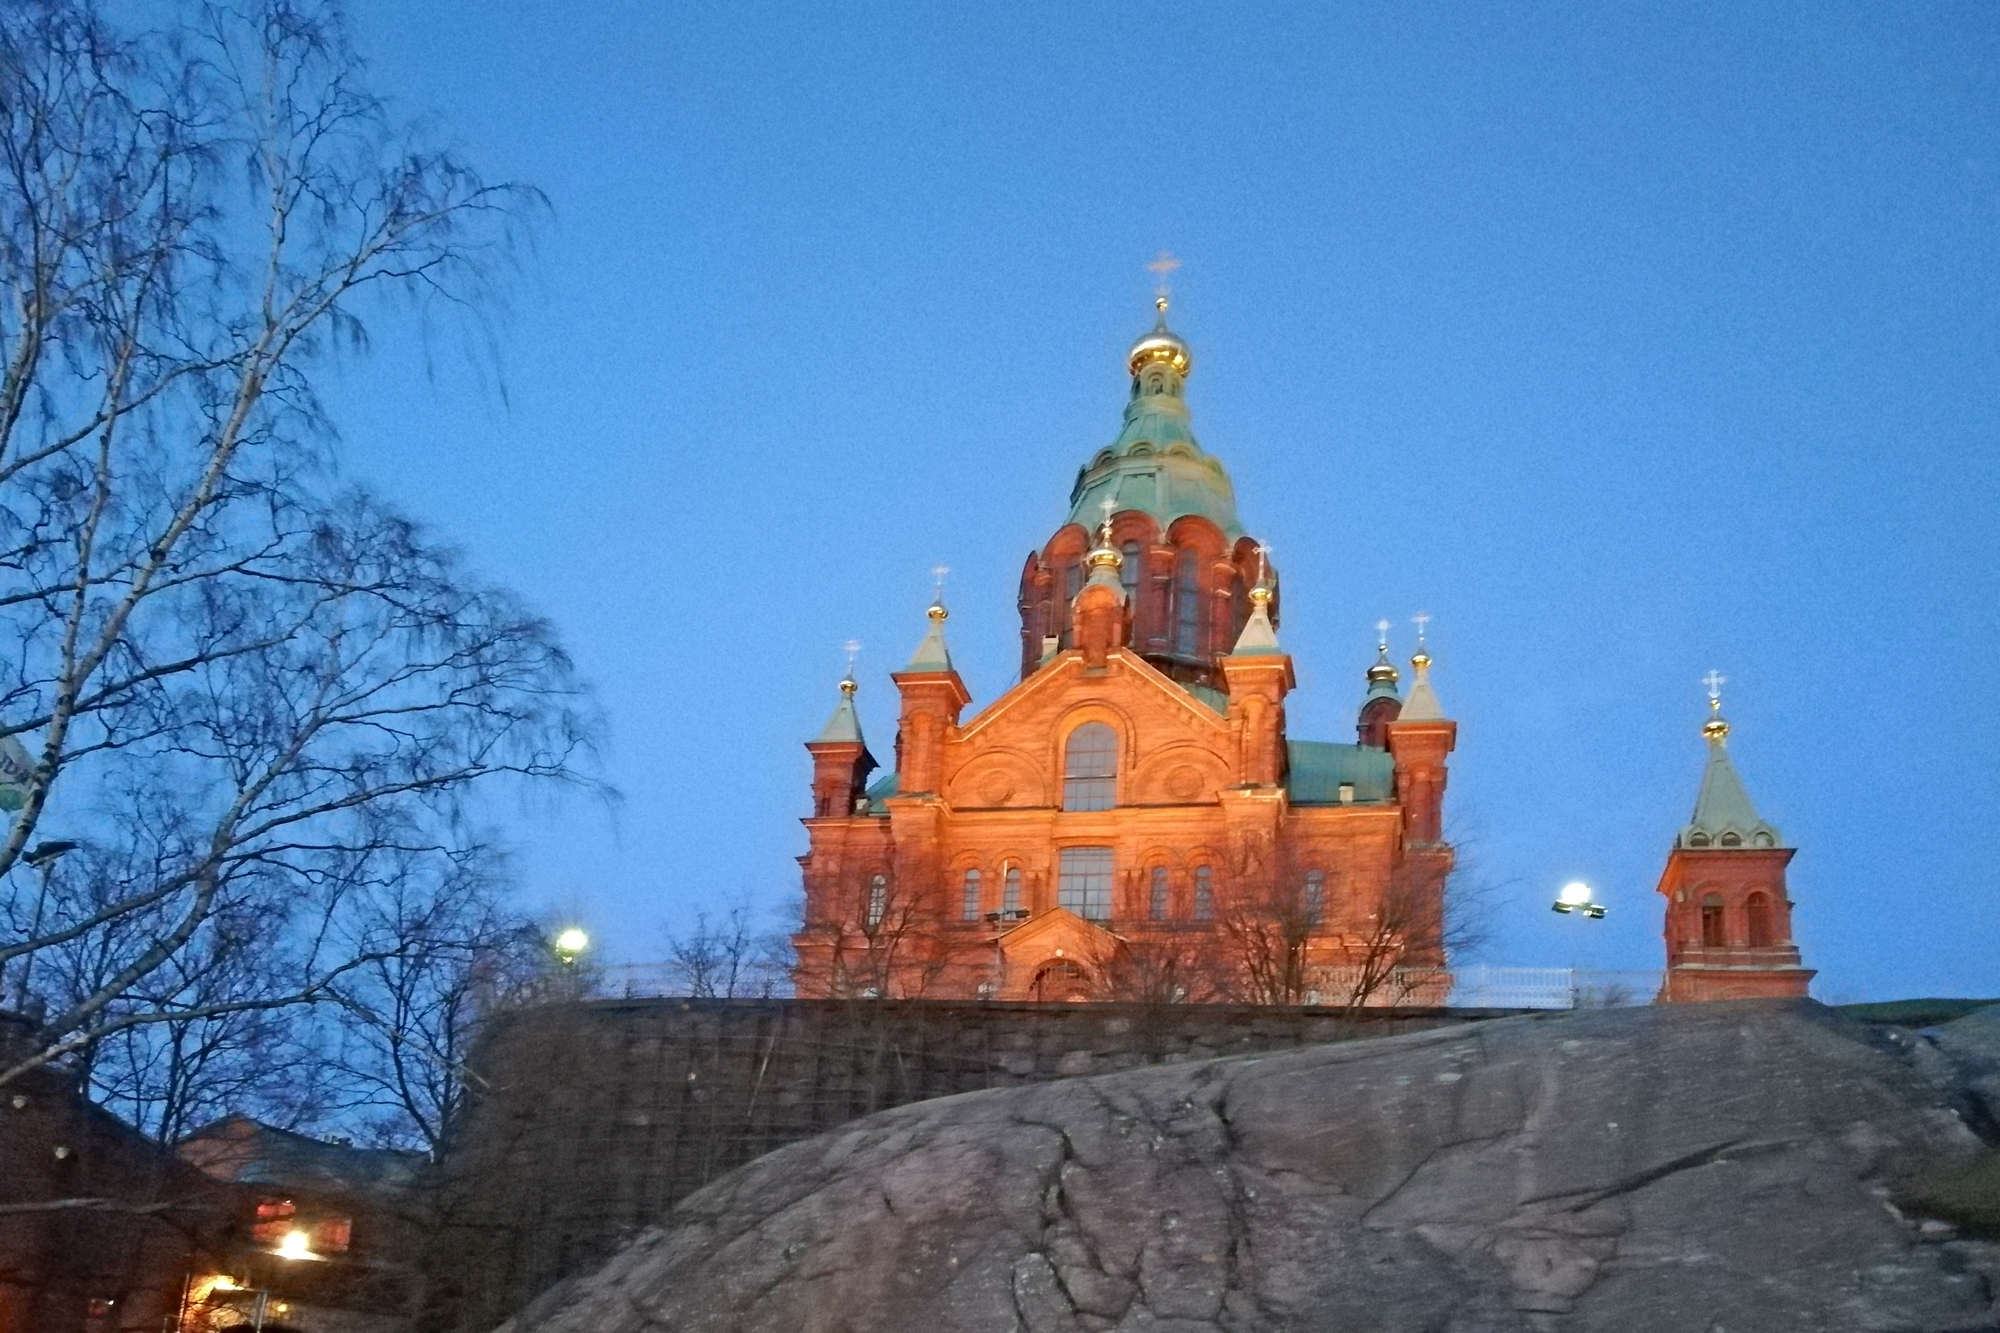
(1725, 1168)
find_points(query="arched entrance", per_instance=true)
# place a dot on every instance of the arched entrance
(1062, 982)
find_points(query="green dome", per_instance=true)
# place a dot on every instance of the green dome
(1155, 465)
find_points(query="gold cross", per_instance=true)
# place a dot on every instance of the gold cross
(1162, 268)
(1382, 635)
(1714, 680)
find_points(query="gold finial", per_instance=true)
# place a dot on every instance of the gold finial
(1261, 594)
(1162, 268)
(1717, 727)
(1422, 656)
(848, 685)
(1382, 637)
(1105, 555)
(937, 611)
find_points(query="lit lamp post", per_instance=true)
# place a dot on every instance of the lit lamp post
(1575, 897)
(570, 944)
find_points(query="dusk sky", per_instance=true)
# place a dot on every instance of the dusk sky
(1627, 341)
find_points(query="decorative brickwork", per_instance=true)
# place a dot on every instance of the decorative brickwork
(1204, 854)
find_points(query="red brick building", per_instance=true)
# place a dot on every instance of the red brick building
(1729, 916)
(1133, 816)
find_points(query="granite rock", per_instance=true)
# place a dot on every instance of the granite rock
(1720, 1168)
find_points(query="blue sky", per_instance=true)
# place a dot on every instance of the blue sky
(1628, 341)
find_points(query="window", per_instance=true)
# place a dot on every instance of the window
(1090, 768)
(1156, 905)
(1187, 606)
(1732, 840)
(1757, 907)
(1697, 840)
(1010, 890)
(1085, 887)
(1128, 573)
(274, 1220)
(878, 900)
(971, 911)
(1713, 933)
(332, 1235)
(1204, 894)
(1315, 903)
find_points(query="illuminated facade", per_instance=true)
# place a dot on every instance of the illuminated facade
(1132, 819)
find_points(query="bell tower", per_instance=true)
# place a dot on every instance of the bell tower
(1729, 917)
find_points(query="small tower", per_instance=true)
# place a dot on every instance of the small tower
(1259, 675)
(841, 762)
(933, 696)
(1729, 918)
(1382, 704)
(1419, 739)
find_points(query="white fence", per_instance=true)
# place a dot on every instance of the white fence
(1482, 987)
(1473, 987)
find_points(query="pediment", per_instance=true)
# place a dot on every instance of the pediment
(1056, 933)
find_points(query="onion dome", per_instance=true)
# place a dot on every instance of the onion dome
(1162, 344)
(1382, 675)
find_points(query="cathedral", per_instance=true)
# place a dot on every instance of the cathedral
(1133, 819)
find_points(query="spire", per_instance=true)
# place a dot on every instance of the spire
(1724, 815)
(1258, 636)
(845, 724)
(1104, 559)
(1422, 705)
(931, 653)
(1382, 676)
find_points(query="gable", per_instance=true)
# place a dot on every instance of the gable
(1173, 747)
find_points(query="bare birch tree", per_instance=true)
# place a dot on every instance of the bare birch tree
(260, 702)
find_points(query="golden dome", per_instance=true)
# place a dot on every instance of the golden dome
(1162, 344)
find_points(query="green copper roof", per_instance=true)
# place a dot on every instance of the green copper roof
(931, 654)
(845, 724)
(1723, 813)
(1218, 700)
(880, 790)
(1258, 639)
(1155, 465)
(1319, 768)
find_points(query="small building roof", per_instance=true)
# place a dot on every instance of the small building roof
(1318, 769)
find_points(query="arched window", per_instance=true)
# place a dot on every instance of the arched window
(878, 900)
(1713, 933)
(971, 908)
(1757, 911)
(1128, 573)
(1187, 606)
(1697, 840)
(1010, 890)
(1315, 903)
(1204, 894)
(1732, 840)
(1156, 905)
(1085, 885)
(1090, 768)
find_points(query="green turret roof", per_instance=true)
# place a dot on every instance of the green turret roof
(845, 724)
(1723, 813)
(932, 654)
(1155, 465)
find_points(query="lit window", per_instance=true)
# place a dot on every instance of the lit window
(274, 1219)
(1315, 896)
(971, 911)
(1204, 894)
(878, 900)
(1010, 892)
(1156, 907)
(1090, 768)
(1085, 887)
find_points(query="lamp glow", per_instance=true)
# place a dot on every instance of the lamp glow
(1575, 897)
(572, 942)
(296, 1245)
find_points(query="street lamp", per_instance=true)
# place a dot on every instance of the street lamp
(1575, 897)
(570, 943)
